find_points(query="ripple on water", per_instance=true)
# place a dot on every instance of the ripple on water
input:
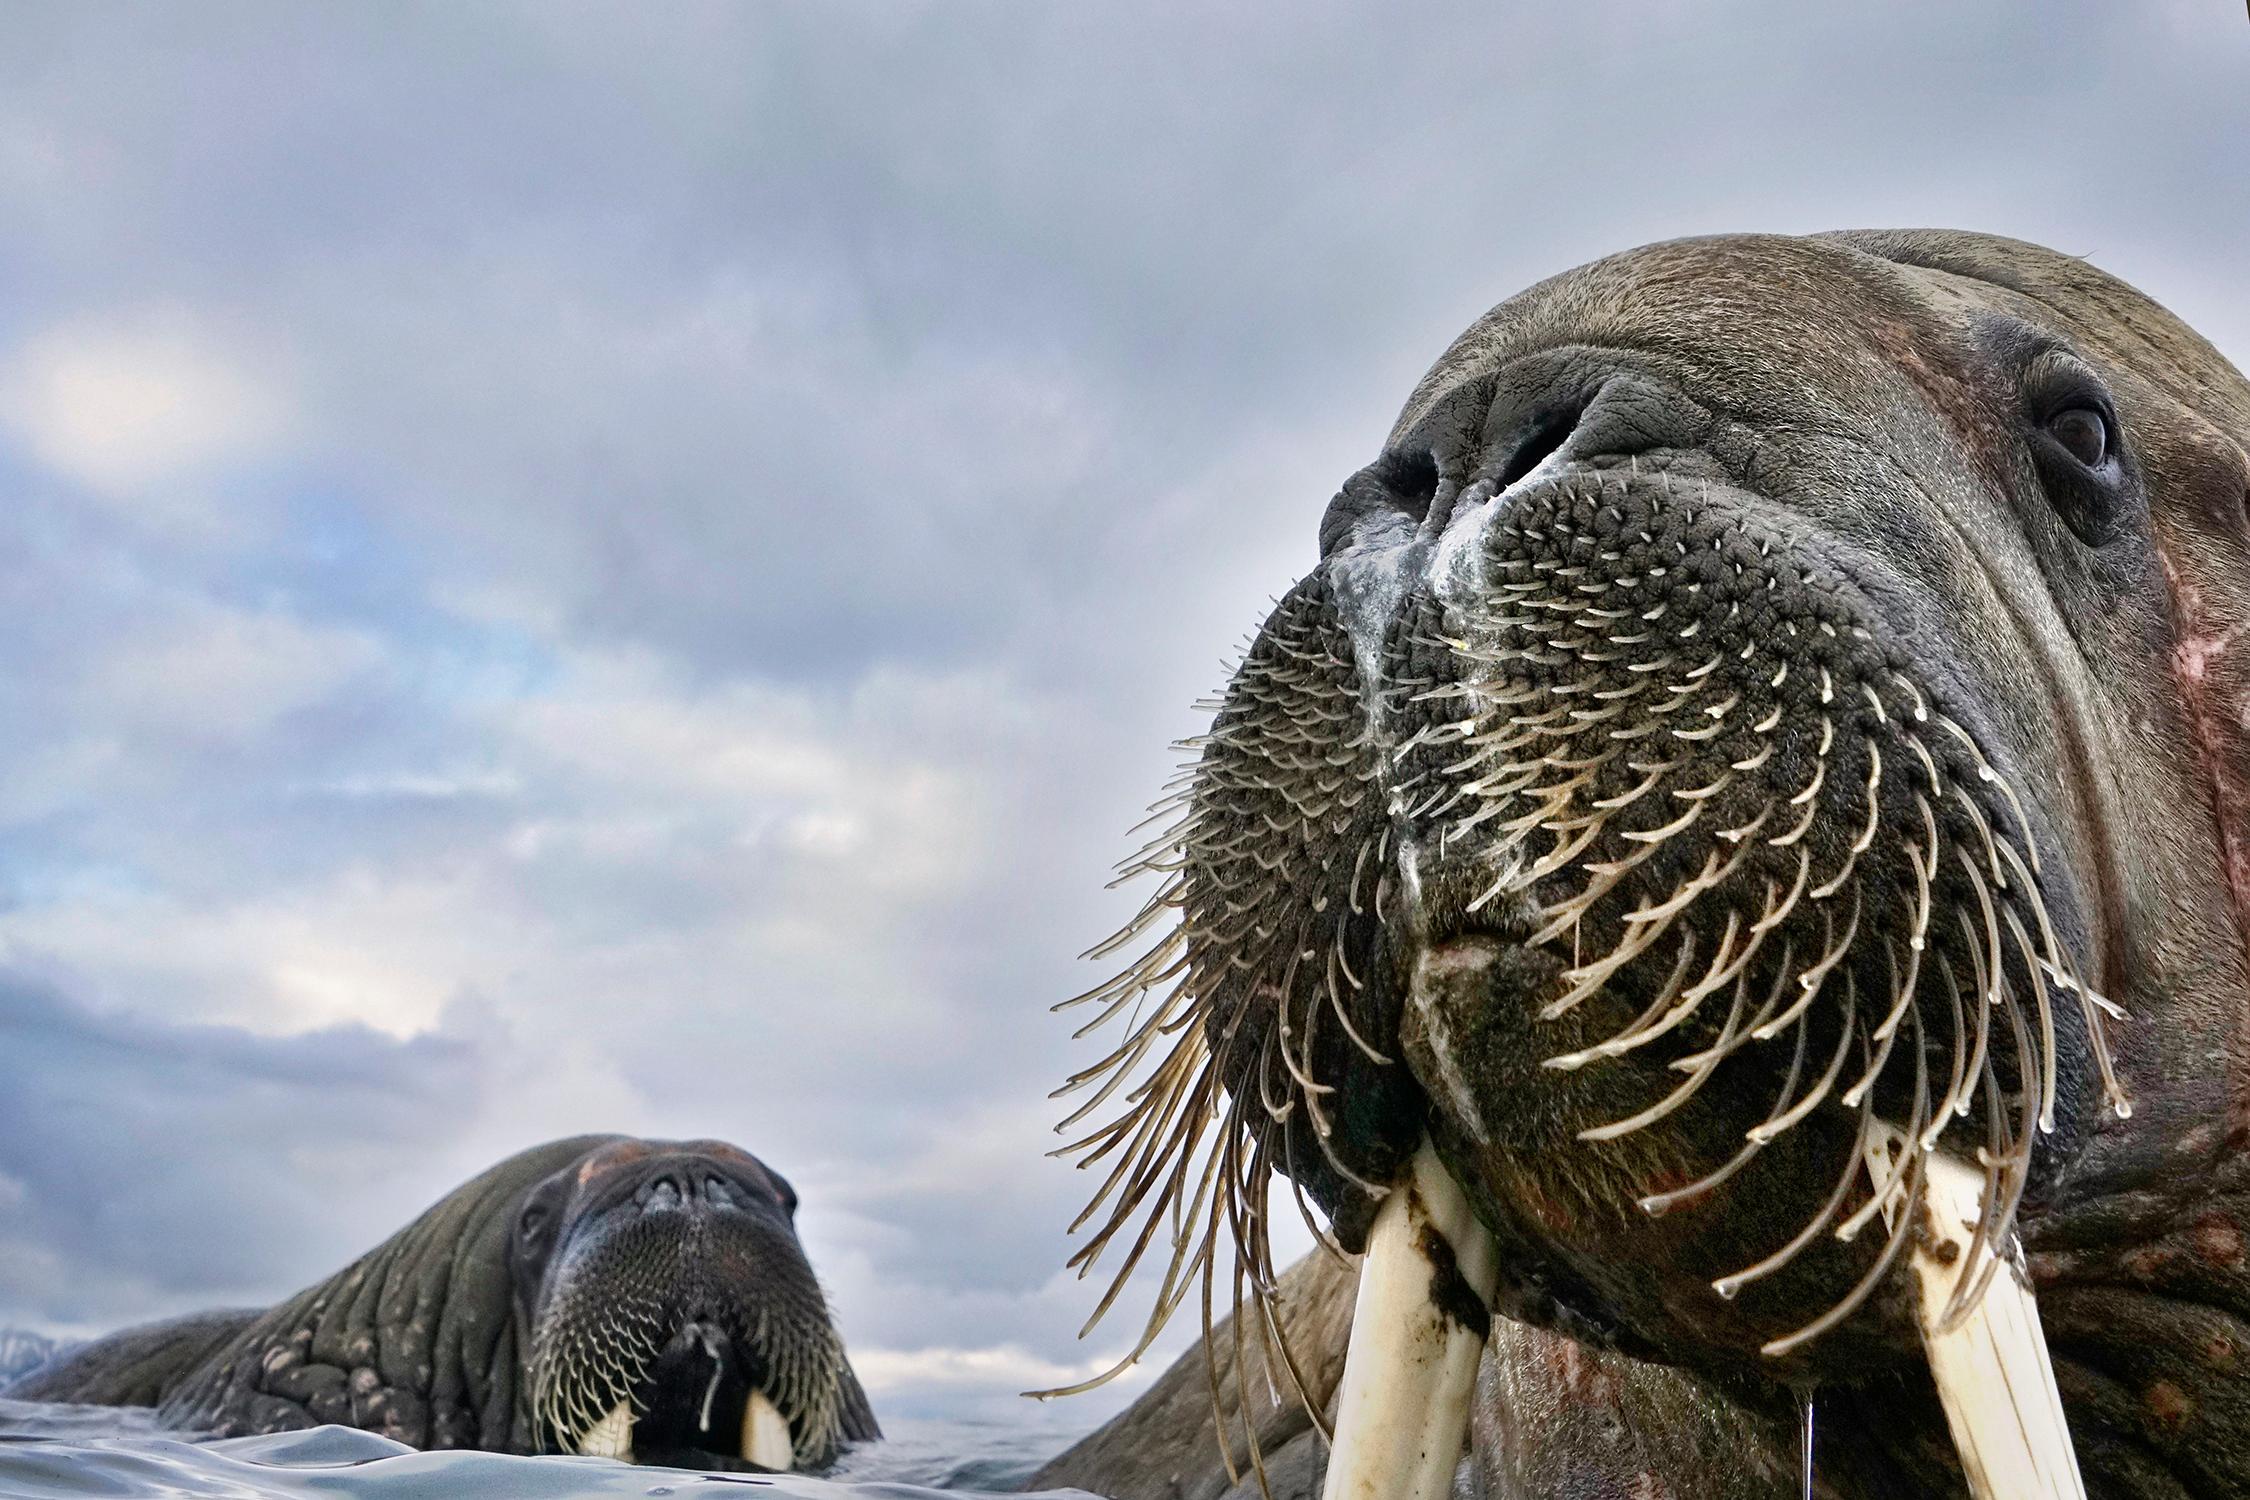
(64, 1451)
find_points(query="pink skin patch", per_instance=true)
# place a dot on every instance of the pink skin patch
(2204, 663)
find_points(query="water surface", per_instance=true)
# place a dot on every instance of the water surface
(77, 1451)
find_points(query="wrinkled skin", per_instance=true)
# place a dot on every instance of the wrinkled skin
(1767, 688)
(519, 1309)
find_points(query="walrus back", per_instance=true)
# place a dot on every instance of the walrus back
(136, 1366)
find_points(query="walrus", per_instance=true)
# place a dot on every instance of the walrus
(634, 1299)
(1766, 734)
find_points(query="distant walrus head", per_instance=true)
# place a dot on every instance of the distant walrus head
(1768, 697)
(672, 1314)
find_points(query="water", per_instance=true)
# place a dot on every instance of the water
(50, 1452)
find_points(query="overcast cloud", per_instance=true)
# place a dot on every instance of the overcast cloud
(627, 567)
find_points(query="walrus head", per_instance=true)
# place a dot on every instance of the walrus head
(672, 1316)
(1769, 697)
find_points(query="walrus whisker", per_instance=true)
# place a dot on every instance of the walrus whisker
(1119, 1067)
(1961, 1082)
(1757, 1134)
(1907, 1168)
(1320, 1232)
(1996, 976)
(1166, 1304)
(1211, 1374)
(1278, 1343)
(1984, 832)
(1679, 1095)
(1885, 1034)
(1280, 1110)
(1561, 916)
(1586, 979)
(1126, 985)
(1656, 1205)
(1997, 1164)
(1998, 1218)
(2043, 1008)
(1159, 853)
(1773, 916)
(1885, 1191)
(1815, 975)
(1165, 962)
(2093, 1007)
(1374, 1191)
(1343, 1012)
(1132, 1160)
(1167, 1163)
(1730, 1286)
(1827, 1080)
(1672, 905)
(1725, 1047)
(1865, 1286)
(1643, 1024)
(1725, 966)
(1903, 987)
(1112, 1072)
(1241, 1367)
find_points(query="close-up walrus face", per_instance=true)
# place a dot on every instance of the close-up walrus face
(672, 1315)
(1770, 721)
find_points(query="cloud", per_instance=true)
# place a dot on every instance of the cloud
(123, 1203)
(219, 673)
(142, 409)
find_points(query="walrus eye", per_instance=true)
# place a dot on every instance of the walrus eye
(2083, 433)
(2077, 447)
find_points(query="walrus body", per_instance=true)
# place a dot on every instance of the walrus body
(1769, 697)
(637, 1299)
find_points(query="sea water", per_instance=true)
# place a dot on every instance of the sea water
(79, 1451)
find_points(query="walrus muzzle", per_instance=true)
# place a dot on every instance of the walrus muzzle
(1650, 791)
(674, 1317)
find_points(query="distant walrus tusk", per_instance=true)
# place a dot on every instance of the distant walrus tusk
(1993, 1374)
(612, 1436)
(765, 1434)
(1418, 1329)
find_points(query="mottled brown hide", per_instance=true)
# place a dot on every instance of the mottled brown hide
(1165, 1445)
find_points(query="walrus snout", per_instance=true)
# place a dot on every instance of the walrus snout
(673, 1316)
(1534, 415)
(686, 1185)
(1629, 832)
(1738, 855)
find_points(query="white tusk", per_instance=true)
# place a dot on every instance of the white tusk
(1411, 1367)
(765, 1435)
(612, 1436)
(1992, 1371)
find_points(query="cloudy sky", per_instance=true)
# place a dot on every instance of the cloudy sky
(628, 567)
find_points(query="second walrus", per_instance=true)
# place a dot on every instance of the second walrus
(645, 1300)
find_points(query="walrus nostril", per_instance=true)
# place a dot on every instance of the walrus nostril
(1410, 481)
(1401, 485)
(1539, 443)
